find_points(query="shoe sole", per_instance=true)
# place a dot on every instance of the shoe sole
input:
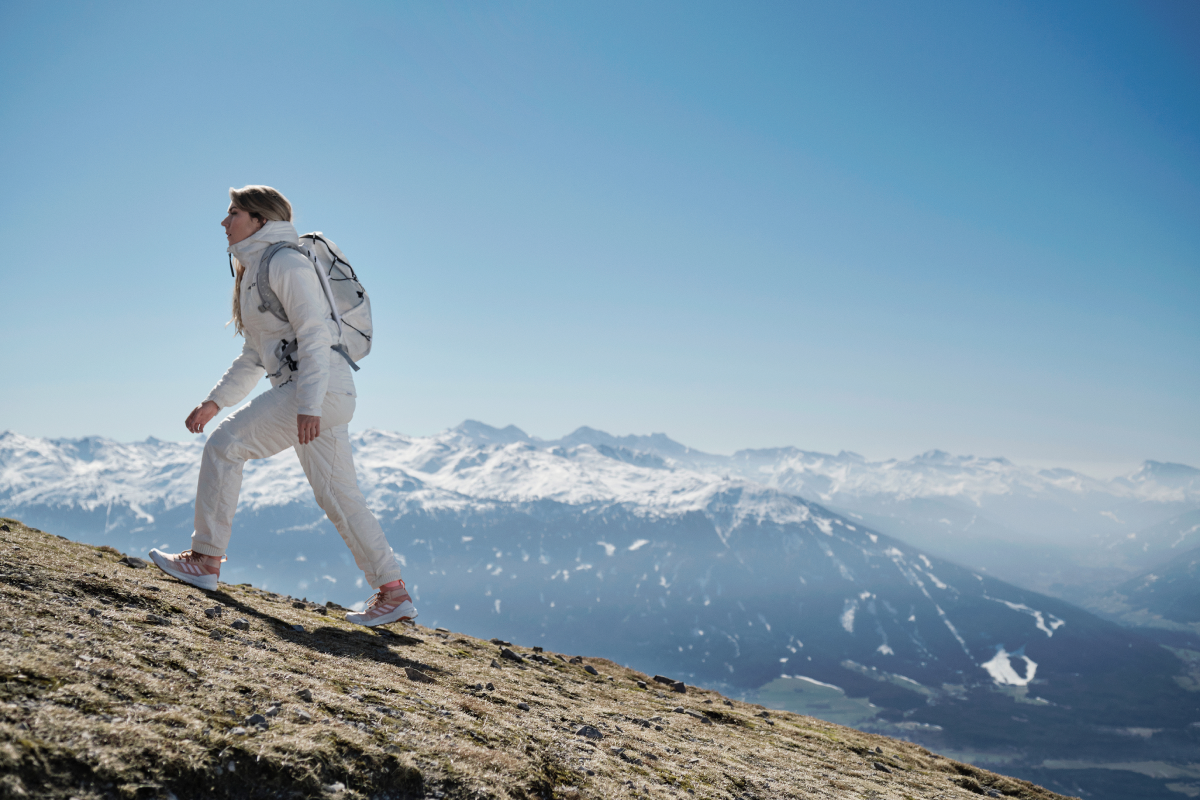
(206, 582)
(400, 614)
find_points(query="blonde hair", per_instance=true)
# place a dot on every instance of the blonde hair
(262, 203)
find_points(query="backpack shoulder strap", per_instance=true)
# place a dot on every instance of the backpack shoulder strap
(270, 300)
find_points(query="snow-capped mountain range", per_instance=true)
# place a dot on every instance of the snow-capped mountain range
(1045, 529)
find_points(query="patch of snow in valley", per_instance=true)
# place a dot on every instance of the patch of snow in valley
(847, 619)
(1003, 673)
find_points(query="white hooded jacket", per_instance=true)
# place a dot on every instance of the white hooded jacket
(314, 367)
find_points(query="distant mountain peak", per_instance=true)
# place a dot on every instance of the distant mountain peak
(482, 433)
(658, 443)
(1164, 476)
(585, 433)
(1168, 470)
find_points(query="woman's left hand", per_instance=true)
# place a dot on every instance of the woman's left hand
(308, 426)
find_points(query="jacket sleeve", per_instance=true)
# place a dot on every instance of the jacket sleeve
(238, 381)
(299, 290)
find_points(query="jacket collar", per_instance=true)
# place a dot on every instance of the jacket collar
(248, 250)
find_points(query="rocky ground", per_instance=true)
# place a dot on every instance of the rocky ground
(118, 682)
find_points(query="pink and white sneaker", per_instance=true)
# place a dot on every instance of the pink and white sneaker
(393, 605)
(189, 567)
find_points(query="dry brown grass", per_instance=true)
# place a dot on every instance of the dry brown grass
(97, 701)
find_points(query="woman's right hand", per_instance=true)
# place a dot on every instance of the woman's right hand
(200, 416)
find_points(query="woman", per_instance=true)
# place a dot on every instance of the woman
(308, 408)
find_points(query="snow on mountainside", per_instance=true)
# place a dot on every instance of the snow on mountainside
(444, 472)
(1158, 481)
(838, 478)
(475, 462)
(931, 474)
(1044, 529)
(94, 473)
(450, 471)
(1047, 529)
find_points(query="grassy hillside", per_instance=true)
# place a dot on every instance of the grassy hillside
(117, 682)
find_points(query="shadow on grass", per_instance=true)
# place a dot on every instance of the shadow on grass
(373, 644)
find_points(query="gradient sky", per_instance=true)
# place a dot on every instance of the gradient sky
(880, 227)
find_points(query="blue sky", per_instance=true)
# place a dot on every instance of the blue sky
(881, 227)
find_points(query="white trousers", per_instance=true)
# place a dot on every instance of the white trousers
(266, 426)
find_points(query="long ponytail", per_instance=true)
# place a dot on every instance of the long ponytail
(237, 301)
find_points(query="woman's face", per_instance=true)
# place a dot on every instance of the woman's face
(240, 225)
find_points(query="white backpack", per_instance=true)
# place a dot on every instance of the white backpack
(350, 306)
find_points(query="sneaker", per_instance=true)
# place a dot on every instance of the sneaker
(189, 567)
(385, 607)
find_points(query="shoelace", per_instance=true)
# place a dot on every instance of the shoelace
(379, 598)
(200, 558)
